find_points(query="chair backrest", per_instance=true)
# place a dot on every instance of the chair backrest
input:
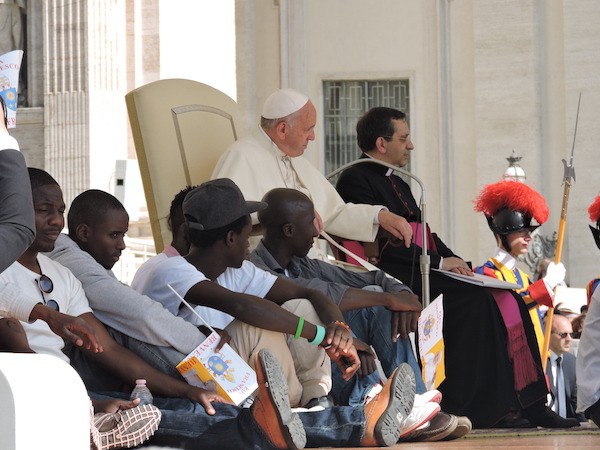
(180, 129)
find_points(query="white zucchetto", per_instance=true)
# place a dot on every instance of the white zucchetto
(282, 103)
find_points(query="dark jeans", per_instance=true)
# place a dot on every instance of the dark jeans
(97, 378)
(185, 424)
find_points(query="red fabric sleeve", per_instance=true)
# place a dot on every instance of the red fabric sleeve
(540, 294)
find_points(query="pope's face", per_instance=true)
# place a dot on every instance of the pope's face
(300, 130)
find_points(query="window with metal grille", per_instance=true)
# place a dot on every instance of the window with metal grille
(344, 102)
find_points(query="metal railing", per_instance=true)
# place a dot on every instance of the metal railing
(137, 252)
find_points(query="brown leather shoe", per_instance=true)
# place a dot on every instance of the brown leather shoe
(271, 408)
(386, 412)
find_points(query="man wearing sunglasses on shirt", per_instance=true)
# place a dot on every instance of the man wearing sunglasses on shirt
(17, 231)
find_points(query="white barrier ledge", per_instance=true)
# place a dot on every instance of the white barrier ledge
(43, 404)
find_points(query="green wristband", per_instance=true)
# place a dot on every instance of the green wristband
(299, 329)
(319, 336)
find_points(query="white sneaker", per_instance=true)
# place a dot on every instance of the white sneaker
(418, 416)
(434, 396)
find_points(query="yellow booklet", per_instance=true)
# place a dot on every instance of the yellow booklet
(234, 378)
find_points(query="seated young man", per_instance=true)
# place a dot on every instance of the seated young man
(17, 231)
(288, 234)
(215, 275)
(379, 310)
(192, 416)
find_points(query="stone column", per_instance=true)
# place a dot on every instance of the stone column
(84, 65)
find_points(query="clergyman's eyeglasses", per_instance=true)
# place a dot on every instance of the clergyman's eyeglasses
(403, 139)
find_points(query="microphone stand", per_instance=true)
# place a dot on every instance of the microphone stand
(425, 260)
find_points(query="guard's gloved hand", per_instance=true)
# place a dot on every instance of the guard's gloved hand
(555, 274)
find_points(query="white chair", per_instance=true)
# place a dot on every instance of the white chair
(43, 404)
(180, 129)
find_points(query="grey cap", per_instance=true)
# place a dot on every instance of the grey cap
(215, 204)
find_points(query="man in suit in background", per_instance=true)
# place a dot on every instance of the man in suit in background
(563, 386)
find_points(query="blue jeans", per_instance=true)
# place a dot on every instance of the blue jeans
(352, 392)
(374, 326)
(185, 424)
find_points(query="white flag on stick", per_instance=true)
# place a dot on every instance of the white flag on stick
(10, 65)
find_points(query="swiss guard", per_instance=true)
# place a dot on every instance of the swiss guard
(513, 211)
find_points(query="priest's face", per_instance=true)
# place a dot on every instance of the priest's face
(398, 146)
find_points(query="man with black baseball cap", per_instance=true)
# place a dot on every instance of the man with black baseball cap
(216, 276)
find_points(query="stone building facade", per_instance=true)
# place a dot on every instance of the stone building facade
(484, 78)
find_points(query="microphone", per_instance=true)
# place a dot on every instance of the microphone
(425, 260)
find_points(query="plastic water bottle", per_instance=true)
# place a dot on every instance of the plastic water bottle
(142, 392)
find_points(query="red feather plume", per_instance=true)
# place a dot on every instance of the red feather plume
(514, 195)
(594, 210)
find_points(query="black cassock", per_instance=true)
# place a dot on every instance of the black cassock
(479, 380)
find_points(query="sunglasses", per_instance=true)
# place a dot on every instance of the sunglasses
(565, 334)
(46, 286)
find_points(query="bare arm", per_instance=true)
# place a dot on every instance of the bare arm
(267, 314)
(114, 405)
(128, 367)
(404, 305)
(329, 313)
(73, 329)
(398, 301)
(252, 310)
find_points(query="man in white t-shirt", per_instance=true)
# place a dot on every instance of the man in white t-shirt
(17, 231)
(216, 276)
